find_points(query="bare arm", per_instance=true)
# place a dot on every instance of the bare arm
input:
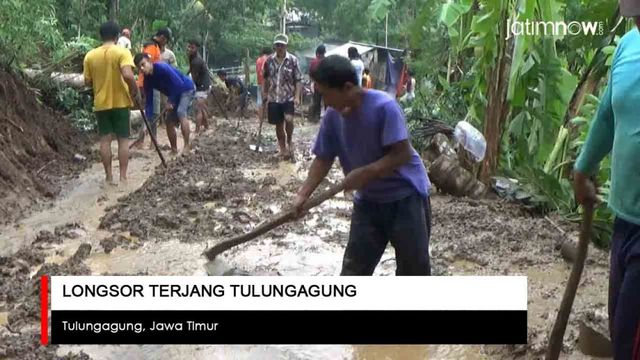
(86, 72)
(265, 90)
(318, 171)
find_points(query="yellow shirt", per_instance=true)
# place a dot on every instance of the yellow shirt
(102, 67)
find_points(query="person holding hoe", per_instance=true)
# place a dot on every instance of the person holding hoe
(179, 90)
(616, 131)
(367, 131)
(282, 91)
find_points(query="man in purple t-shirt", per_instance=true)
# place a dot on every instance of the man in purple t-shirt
(367, 131)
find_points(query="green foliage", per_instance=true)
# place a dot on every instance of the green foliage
(158, 24)
(443, 103)
(378, 9)
(535, 147)
(80, 17)
(29, 31)
(79, 105)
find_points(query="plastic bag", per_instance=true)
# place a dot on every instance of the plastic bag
(471, 140)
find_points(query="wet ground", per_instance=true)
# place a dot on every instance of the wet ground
(160, 223)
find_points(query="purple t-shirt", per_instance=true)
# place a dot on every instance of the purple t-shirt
(359, 139)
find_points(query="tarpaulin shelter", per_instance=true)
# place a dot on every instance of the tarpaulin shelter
(384, 63)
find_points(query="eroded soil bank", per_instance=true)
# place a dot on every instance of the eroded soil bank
(224, 189)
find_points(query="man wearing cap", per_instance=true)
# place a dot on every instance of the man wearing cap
(282, 90)
(616, 131)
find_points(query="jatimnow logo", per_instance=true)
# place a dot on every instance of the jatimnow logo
(516, 27)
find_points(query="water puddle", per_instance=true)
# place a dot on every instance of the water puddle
(167, 258)
(4, 318)
(283, 173)
(82, 202)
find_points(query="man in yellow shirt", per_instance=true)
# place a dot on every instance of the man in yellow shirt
(109, 70)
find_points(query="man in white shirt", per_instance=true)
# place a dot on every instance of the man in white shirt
(125, 40)
(168, 57)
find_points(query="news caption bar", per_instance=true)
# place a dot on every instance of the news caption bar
(285, 310)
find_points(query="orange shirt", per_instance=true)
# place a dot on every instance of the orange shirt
(260, 68)
(368, 81)
(153, 50)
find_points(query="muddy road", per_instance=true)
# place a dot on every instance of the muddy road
(162, 221)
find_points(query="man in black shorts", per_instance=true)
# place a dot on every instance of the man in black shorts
(200, 75)
(282, 89)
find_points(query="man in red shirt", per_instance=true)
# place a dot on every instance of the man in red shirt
(264, 55)
(314, 116)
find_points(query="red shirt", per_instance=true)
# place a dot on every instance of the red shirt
(312, 67)
(314, 64)
(260, 68)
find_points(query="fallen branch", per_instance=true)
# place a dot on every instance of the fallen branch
(555, 225)
(44, 166)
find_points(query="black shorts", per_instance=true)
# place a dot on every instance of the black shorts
(276, 111)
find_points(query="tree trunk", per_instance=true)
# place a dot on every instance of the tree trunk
(497, 105)
(113, 10)
(204, 47)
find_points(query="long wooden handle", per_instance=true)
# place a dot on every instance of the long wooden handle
(153, 137)
(557, 334)
(260, 130)
(282, 218)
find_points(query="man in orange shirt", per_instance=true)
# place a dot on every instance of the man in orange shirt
(367, 81)
(153, 48)
(264, 55)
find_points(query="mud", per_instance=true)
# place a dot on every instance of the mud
(224, 189)
(37, 147)
(19, 294)
(206, 195)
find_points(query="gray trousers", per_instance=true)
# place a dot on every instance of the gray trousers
(405, 223)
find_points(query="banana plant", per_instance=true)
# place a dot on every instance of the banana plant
(456, 16)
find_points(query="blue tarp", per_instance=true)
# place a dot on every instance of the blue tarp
(393, 74)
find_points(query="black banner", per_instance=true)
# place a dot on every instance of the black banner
(288, 327)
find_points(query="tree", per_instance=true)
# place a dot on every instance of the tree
(113, 10)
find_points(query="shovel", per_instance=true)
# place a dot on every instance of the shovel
(557, 334)
(280, 219)
(153, 137)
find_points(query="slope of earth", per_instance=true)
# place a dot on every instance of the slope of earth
(37, 148)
